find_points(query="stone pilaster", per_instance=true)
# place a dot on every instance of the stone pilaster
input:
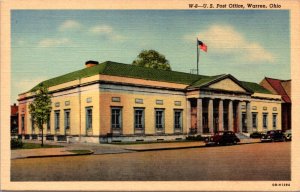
(239, 117)
(249, 117)
(221, 111)
(230, 116)
(210, 116)
(188, 116)
(199, 117)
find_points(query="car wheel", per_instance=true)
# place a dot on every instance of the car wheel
(284, 139)
(234, 142)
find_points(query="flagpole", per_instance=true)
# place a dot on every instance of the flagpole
(197, 56)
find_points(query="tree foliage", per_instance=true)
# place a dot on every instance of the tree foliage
(40, 108)
(152, 59)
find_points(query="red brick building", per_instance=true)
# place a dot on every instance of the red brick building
(14, 118)
(283, 88)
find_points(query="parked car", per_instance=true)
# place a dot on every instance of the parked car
(256, 135)
(222, 138)
(274, 135)
(288, 135)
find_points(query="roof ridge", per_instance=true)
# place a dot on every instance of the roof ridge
(249, 82)
(277, 79)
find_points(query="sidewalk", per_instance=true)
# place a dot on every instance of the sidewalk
(96, 149)
(45, 152)
(164, 146)
(101, 149)
(177, 145)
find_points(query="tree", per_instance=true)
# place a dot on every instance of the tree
(40, 108)
(152, 59)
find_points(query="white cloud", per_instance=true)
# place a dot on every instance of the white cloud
(105, 31)
(224, 39)
(101, 29)
(21, 42)
(69, 24)
(52, 42)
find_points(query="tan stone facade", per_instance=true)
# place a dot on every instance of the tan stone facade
(105, 108)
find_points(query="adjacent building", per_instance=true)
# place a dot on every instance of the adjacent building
(14, 119)
(120, 102)
(282, 88)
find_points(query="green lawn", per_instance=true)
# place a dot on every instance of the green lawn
(37, 146)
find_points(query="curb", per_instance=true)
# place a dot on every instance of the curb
(173, 148)
(63, 155)
(165, 148)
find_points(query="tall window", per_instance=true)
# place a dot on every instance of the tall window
(159, 120)
(265, 120)
(254, 120)
(89, 117)
(56, 119)
(23, 122)
(116, 118)
(139, 120)
(48, 123)
(274, 121)
(67, 119)
(32, 126)
(178, 121)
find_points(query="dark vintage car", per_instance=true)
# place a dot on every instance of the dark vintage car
(222, 138)
(256, 135)
(274, 135)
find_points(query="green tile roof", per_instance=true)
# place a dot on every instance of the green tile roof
(86, 72)
(204, 80)
(127, 70)
(255, 87)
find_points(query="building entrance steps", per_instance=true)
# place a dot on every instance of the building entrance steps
(243, 135)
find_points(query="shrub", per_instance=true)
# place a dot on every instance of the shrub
(16, 143)
(34, 136)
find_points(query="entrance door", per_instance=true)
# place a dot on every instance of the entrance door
(193, 120)
(205, 123)
(235, 121)
(216, 123)
(244, 122)
(225, 121)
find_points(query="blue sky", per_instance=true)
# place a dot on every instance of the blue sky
(245, 43)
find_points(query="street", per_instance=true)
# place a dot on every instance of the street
(243, 162)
